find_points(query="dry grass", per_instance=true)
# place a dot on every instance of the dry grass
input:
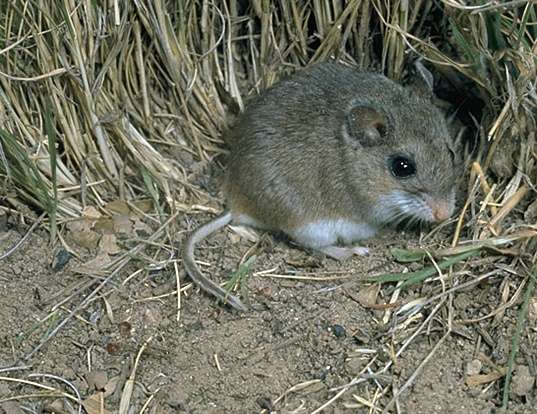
(134, 90)
(107, 101)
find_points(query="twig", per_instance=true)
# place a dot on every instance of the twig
(68, 383)
(129, 385)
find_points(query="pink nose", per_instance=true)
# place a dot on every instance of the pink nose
(441, 210)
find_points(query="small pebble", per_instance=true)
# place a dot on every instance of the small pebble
(523, 381)
(339, 331)
(60, 260)
(474, 367)
(266, 404)
(97, 379)
(355, 365)
(125, 329)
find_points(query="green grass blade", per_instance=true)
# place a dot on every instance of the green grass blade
(52, 150)
(408, 255)
(515, 342)
(23, 172)
(412, 278)
(238, 276)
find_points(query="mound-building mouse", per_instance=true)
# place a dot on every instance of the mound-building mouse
(329, 156)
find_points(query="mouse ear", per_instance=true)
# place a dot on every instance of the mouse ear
(423, 82)
(365, 126)
(426, 76)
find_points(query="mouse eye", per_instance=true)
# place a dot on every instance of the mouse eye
(402, 167)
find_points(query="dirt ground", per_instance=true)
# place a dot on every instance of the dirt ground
(314, 336)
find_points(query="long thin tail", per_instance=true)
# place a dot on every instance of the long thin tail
(192, 268)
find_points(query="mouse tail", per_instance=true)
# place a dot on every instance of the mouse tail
(192, 268)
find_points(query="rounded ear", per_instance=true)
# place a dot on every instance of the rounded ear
(365, 126)
(423, 84)
(426, 76)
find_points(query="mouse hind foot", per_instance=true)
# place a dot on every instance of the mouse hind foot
(342, 253)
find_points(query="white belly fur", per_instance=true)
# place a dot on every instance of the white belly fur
(320, 233)
(323, 233)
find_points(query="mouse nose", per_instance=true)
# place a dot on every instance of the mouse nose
(440, 209)
(441, 213)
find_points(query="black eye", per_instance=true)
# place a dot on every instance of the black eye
(402, 167)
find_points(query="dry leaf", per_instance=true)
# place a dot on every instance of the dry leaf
(95, 404)
(82, 233)
(104, 225)
(99, 262)
(367, 296)
(91, 213)
(119, 207)
(123, 224)
(108, 244)
(144, 205)
(111, 386)
(474, 380)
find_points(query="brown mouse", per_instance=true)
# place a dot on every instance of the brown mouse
(329, 156)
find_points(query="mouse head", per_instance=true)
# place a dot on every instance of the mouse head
(401, 159)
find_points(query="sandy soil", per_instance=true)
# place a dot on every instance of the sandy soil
(301, 345)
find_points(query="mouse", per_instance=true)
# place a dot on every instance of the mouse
(329, 156)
